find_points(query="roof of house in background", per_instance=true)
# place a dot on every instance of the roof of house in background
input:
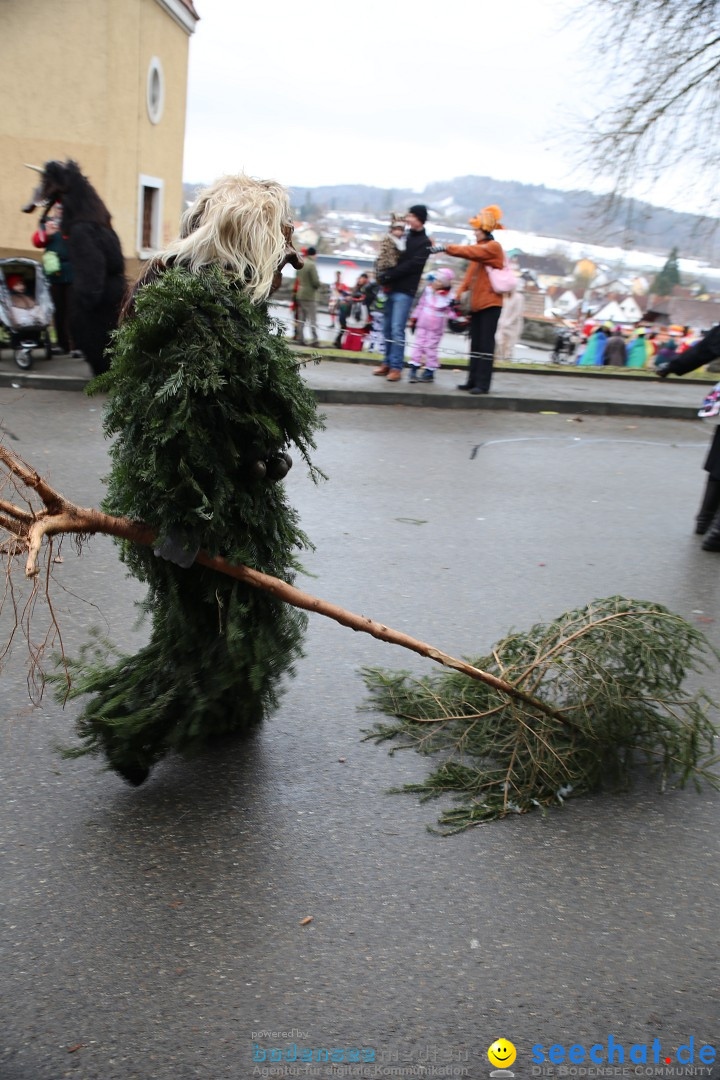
(699, 314)
(682, 292)
(542, 264)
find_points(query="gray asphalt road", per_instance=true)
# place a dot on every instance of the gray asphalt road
(158, 933)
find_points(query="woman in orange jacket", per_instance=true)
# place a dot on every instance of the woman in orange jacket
(485, 303)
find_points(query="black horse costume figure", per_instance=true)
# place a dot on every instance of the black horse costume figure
(204, 398)
(95, 255)
(698, 355)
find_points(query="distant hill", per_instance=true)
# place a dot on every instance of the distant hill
(533, 208)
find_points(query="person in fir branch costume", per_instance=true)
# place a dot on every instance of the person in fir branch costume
(204, 399)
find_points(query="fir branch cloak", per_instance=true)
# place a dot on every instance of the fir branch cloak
(201, 386)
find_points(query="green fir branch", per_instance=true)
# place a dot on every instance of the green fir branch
(613, 675)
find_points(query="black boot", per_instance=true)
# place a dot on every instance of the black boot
(712, 540)
(709, 506)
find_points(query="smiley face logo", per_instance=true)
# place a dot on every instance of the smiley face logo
(502, 1053)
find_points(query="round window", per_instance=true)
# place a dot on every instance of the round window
(155, 91)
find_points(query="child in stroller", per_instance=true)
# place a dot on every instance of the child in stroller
(26, 308)
(23, 308)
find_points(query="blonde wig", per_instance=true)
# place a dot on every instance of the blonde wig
(236, 223)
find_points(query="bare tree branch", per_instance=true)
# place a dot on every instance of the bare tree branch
(666, 115)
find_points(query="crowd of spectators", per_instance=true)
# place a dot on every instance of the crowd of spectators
(605, 345)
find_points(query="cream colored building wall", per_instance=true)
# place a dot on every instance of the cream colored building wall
(91, 106)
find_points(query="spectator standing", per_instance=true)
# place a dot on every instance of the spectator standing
(639, 351)
(375, 341)
(364, 293)
(686, 337)
(485, 303)
(402, 281)
(511, 321)
(653, 344)
(343, 309)
(615, 349)
(58, 270)
(308, 288)
(666, 352)
(593, 355)
(337, 292)
(297, 312)
(429, 320)
(358, 317)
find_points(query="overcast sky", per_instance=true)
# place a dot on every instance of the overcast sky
(394, 93)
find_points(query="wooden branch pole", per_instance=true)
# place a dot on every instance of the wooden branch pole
(62, 516)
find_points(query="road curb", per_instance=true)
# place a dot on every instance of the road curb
(496, 403)
(564, 371)
(415, 398)
(22, 380)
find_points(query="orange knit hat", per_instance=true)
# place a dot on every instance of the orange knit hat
(488, 219)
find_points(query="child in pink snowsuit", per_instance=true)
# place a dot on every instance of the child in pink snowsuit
(429, 320)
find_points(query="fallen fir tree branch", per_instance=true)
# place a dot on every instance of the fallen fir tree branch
(614, 671)
(29, 528)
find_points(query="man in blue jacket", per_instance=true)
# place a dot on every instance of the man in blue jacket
(401, 282)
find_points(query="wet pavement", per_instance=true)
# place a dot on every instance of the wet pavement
(160, 932)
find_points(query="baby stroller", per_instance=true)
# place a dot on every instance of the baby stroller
(564, 348)
(358, 324)
(26, 328)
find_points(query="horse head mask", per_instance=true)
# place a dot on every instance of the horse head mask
(53, 183)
